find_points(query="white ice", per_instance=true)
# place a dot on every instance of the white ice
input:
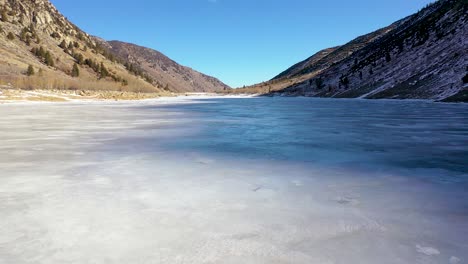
(99, 183)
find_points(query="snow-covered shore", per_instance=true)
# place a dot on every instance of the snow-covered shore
(62, 96)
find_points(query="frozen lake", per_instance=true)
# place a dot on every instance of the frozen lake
(234, 180)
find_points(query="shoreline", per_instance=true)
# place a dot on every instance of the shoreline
(8, 96)
(15, 96)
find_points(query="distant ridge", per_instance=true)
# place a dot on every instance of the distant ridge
(166, 71)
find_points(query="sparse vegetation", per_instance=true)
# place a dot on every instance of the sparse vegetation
(138, 72)
(103, 71)
(55, 35)
(345, 82)
(388, 58)
(63, 44)
(5, 17)
(53, 81)
(75, 71)
(79, 58)
(30, 70)
(319, 83)
(44, 55)
(10, 36)
(27, 34)
(48, 59)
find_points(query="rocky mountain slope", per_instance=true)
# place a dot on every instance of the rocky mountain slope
(327, 57)
(164, 70)
(422, 56)
(41, 49)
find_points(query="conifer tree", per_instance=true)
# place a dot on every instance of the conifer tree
(10, 36)
(75, 71)
(319, 83)
(41, 52)
(388, 58)
(30, 71)
(103, 71)
(63, 44)
(49, 61)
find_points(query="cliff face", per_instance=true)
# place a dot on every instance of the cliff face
(422, 56)
(40, 48)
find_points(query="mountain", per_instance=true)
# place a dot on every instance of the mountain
(164, 70)
(423, 56)
(40, 48)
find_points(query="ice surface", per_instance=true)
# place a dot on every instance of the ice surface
(258, 180)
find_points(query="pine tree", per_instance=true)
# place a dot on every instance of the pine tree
(24, 34)
(388, 58)
(79, 58)
(75, 71)
(344, 81)
(55, 35)
(34, 51)
(10, 36)
(49, 61)
(30, 71)
(63, 44)
(41, 52)
(104, 73)
(319, 83)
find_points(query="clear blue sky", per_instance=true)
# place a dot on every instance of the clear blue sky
(240, 42)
